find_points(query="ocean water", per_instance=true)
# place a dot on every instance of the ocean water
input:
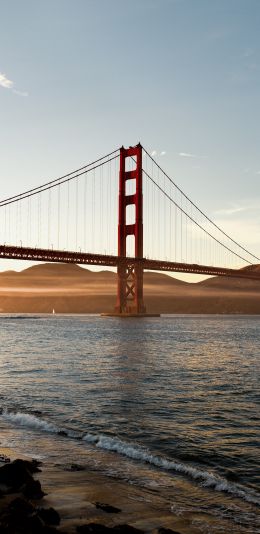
(169, 404)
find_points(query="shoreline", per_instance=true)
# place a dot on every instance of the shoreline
(109, 316)
(76, 494)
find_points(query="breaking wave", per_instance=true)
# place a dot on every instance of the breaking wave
(36, 423)
(29, 421)
(137, 453)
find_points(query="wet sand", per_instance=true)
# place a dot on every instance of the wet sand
(74, 495)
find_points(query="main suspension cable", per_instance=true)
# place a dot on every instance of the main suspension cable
(46, 185)
(200, 211)
(193, 220)
(51, 185)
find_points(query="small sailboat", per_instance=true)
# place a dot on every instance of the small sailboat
(53, 311)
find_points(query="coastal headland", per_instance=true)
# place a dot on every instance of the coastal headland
(70, 288)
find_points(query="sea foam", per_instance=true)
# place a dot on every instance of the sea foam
(137, 453)
(205, 478)
(29, 421)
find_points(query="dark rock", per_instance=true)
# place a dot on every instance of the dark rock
(49, 530)
(62, 433)
(107, 508)
(163, 530)
(32, 489)
(127, 529)
(76, 467)
(49, 516)
(15, 474)
(8, 519)
(33, 524)
(32, 466)
(94, 528)
(23, 524)
(21, 506)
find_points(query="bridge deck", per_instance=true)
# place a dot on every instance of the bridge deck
(103, 260)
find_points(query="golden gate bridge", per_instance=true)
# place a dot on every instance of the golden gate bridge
(145, 223)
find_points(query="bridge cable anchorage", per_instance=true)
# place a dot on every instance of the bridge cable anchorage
(61, 180)
(197, 208)
(194, 221)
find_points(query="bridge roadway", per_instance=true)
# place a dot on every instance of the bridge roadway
(104, 260)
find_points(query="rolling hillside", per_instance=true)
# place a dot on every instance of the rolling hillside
(70, 288)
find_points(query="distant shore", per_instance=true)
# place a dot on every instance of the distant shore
(72, 289)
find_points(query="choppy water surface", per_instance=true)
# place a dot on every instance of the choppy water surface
(168, 403)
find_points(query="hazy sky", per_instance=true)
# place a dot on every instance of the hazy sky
(82, 77)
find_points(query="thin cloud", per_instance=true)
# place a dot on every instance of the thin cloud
(9, 84)
(4, 82)
(189, 155)
(20, 93)
(257, 172)
(155, 153)
(186, 155)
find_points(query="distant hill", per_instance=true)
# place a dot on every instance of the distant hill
(69, 288)
(255, 268)
(233, 284)
(230, 284)
(63, 274)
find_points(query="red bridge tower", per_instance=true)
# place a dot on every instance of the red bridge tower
(130, 275)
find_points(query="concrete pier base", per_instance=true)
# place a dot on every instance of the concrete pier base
(130, 315)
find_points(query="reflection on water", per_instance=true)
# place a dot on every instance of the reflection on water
(163, 393)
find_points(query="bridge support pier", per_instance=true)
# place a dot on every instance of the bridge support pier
(130, 302)
(130, 289)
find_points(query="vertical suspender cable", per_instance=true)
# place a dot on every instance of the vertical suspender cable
(58, 216)
(85, 211)
(68, 213)
(76, 211)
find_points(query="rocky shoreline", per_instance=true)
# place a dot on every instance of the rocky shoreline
(23, 510)
(20, 494)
